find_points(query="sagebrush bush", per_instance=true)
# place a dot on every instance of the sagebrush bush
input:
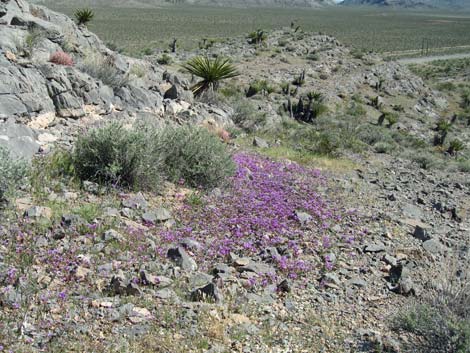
(440, 318)
(464, 166)
(61, 58)
(141, 158)
(13, 173)
(113, 155)
(193, 155)
(247, 116)
(103, 69)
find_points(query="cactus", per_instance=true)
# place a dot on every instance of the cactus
(299, 80)
(173, 45)
(308, 108)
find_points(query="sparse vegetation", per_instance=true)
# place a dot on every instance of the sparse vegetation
(104, 69)
(440, 319)
(164, 59)
(13, 175)
(27, 45)
(259, 86)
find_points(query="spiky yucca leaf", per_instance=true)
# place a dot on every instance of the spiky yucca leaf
(83, 16)
(211, 72)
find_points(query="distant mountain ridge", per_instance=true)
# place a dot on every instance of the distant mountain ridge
(441, 4)
(228, 3)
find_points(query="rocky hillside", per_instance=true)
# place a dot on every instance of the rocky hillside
(344, 200)
(441, 4)
(97, 83)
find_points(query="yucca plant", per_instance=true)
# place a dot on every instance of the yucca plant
(211, 72)
(83, 16)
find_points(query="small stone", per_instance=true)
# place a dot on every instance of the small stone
(259, 142)
(200, 279)
(374, 248)
(165, 293)
(182, 259)
(284, 286)
(155, 216)
(135, 202)
(303, 217)
(81, 272)
(433, 246)
(91, 187)
(39, 212)
(358, 282)
(10, 56)
(209, 291)
(171, 93)
(112, 234)
(421, 232)
(242, 261)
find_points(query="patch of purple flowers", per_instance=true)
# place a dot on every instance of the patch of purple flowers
(259, 211)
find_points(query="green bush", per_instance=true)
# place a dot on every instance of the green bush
(259, 86)
(440, 318)
(112, 155)
(464, 166)
(247, 116)
(383, 147)
(425, 160)
(165, 59)
(193, 155)
(13, 173)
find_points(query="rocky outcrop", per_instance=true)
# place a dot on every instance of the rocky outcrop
(59, 99)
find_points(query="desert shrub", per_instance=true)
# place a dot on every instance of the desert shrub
(114, 47)
(440, 318)
(384, 147)
(464, 166)
(61, 58)
(210, 71)
(113, 155)
(103, 69)
(13, 173)
(259, 86)
(356, 109)
(455, 146)
(147, 51)
(247, 116)
(466, 99)
(425, 160)
(446, 86)
(230, 91)
(30, 42)
(358, 53)
(165, 59)
(83, 16)
(193, 155)
(313, 57)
